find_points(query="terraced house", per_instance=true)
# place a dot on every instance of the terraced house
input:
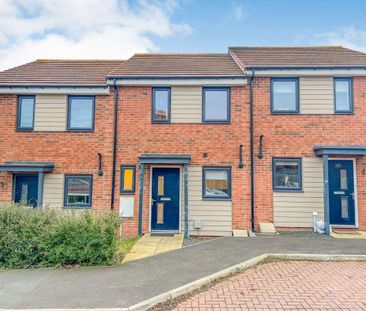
(204, 144)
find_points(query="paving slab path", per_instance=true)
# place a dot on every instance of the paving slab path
(150, 245)
(136, 281)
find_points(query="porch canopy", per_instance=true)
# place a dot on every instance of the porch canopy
(27, 167)
(321, 150)
(325, 151)
(159, 158)
(30, 167)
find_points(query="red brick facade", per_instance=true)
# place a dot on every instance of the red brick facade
(284, 136)
(71, 152)
(137, 135)
(295, 135)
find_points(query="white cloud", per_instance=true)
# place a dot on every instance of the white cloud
(348, 37)
(32, 29)
(238, 12)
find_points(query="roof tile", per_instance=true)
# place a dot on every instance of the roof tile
(306, 56)
(60, 72)
(178, 65)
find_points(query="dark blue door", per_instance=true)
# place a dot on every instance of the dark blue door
(341, 192)
(26, 189)
(165, 199)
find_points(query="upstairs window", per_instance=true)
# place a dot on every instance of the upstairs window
(216, 182)
(81, 113)
(78, 191)
(161, 105)
(216, 105)
(25, 120)
(287, 174)
(284, 95)
(343, 95)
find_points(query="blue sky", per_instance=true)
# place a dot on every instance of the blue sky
(217, 24)
(33, 29)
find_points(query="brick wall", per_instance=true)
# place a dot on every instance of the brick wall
(72, 153)
(284, 136)
(137, 135)
(295, 135)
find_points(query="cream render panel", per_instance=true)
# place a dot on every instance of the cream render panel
(216, 216)
(50, 113)
(53, 190)
(316, 95)
(186, 104)
(295, 209)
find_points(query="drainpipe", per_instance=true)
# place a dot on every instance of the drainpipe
(114, 142)
(251, 129)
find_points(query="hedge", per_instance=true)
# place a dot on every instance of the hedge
(48, 238)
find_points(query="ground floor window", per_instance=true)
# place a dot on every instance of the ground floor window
(287, 174)
(216, 182)
(78, 191)
(128, 176)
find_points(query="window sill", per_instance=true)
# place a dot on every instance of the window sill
(288, 190)
(80, 130)
(285, 112)
(77, 207)
(215, 122)
(215, 199)
(344, 112)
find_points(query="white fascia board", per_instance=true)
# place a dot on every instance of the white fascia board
(309, 72)
(55, 90)
(182, 82)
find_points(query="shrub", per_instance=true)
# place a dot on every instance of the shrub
(43, 237)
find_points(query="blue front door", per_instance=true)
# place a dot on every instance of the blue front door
(165, 199)
(26, 189)
(341, 192)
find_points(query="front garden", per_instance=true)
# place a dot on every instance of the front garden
(51, 238)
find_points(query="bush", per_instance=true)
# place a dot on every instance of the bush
(43, 237)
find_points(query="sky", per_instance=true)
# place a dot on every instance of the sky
(116, 29)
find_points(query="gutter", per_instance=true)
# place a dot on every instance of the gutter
(305, 67)
(114, 142)
(150, 77)
(251, 129)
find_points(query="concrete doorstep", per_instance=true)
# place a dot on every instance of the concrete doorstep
(188, 288)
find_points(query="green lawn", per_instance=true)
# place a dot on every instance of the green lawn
(124, 246)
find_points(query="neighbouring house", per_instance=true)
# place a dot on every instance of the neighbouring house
(203, 144)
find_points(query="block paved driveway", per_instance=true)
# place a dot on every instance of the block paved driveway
(136, 281)
(297, 285)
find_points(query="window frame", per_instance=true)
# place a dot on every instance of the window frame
(297, 96)
(211, 197)
(19, 115)
(153, 110)
(78, 206)
(79, 129)
(350, 89)
(228, 94)
(123, 167)
(299, 170)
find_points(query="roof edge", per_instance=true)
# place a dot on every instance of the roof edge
(172, 77)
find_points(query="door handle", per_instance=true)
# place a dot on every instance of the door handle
(353, 195)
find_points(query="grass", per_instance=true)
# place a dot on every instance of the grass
(124, 247)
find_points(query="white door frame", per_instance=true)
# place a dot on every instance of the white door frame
(355, 192)
(180, 192)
